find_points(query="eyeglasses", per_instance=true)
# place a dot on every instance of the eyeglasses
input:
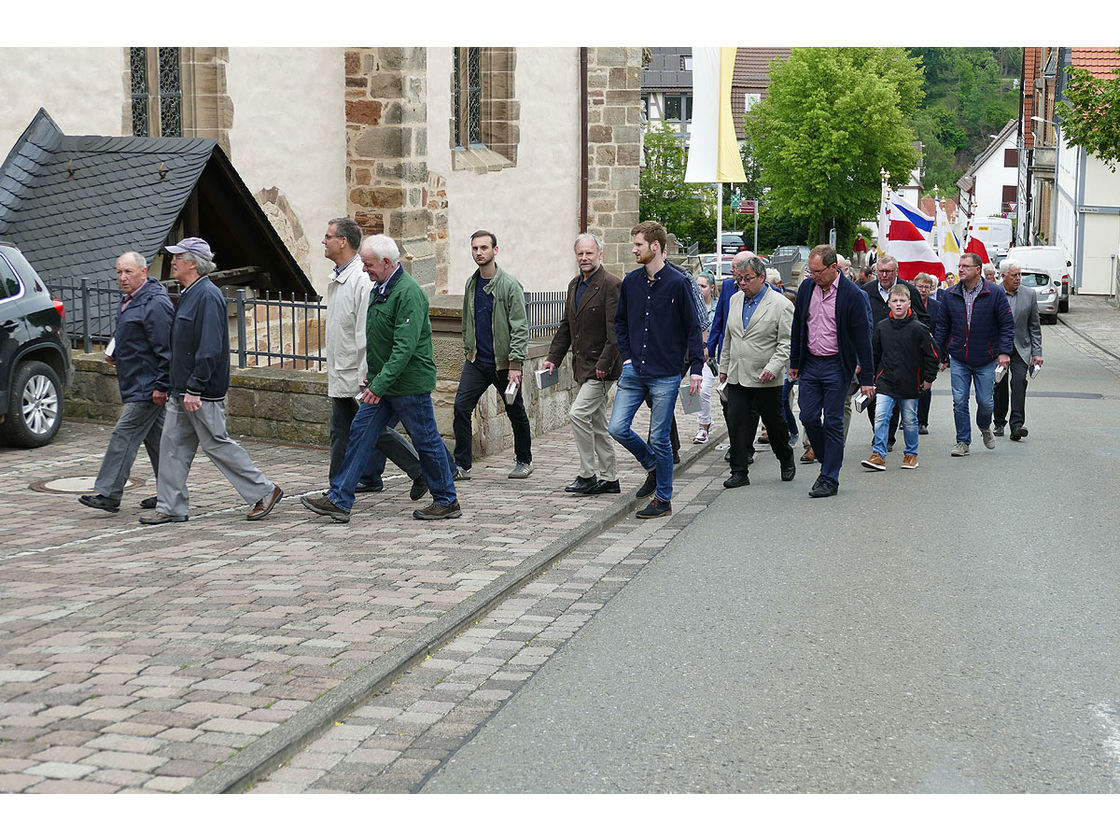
(819, 271)
(333, 236)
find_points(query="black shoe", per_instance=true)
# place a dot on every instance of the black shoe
(789, 470)
(582, 485)
(750, 458)
(158, 517)
(370, 488)
(605, 487)
(654, 509)
(727, 454)
(998, 431)
(419, 488)
(676, 457)
(737, 480)
(1018, 434)
(648, 487)
(923, 429)
(822, 488)
(149, 503)
(434, 511)
(890, 446)
(100, 502)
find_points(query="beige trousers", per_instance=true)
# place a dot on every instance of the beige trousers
(589, 429)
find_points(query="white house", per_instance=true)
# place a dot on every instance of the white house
(1087, 223)
(989, 186)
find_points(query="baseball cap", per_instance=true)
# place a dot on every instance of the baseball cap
(194, 245)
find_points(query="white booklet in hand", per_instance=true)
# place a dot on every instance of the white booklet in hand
(690, 401)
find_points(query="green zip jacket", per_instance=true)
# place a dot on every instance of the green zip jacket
(399, 351)
(511, 324)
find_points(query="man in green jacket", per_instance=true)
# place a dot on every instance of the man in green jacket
(401, 375)
(496, 342)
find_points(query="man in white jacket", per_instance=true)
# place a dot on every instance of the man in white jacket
(347, 303)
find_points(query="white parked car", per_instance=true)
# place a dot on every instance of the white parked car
(1050, 259)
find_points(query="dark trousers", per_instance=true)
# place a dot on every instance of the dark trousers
(1017, 376)
(822, 391)
(744, 407)
(473, 383)
(923, 407)
(391, 444)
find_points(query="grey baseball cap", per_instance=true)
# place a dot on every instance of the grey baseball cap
(194, 245)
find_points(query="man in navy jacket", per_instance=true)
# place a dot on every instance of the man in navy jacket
(974, 332)
(658, 331)
(141, 354)
(830, 343)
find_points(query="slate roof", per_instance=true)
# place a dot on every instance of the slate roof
(73, 204)
(664, 71)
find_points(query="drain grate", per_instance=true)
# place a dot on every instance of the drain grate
(73, 485)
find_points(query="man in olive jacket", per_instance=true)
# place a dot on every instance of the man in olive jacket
(588, 329)
(401, 375)
(496, 343)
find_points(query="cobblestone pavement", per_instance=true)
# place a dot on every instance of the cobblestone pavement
(403, 734)
(1093, 325)
(138, 658)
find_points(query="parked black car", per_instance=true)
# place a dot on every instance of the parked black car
(35, 363)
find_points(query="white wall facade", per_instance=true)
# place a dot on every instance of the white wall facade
(533, 207)
(82, 89)
(1087, 218)
(289, 132)
(991, 177)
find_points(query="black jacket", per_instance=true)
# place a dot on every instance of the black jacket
(143, 349)
(904, 357)
(200, 343)
(880, 310)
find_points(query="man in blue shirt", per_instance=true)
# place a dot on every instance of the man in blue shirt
(658, 333)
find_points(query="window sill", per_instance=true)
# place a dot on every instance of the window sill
(478, 159)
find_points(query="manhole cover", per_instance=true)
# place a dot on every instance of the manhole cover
(76, 485)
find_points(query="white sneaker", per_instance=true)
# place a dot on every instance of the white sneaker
(959, 450)
(989, 438)
(701, 436)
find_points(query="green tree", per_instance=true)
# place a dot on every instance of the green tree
(834, 118)
(686, 210)
(1090, 114)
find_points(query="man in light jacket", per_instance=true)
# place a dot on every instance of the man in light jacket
(1027, 351)
(756, 346)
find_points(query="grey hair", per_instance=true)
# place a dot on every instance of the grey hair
(346, 227)
(202, 265)
(739, 261)
(585, 235)
(774, 276)
(135, 258)
(757, 267)
(989, 267)
(886, 260)
(1007, 266)
(381, 247)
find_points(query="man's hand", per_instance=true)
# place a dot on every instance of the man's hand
(943, 366)
(159, 397)
(1036, 360)
(547, 366)
(722, 378)
(192, 402)
(370, 398)
(868, 391)
(1003, 359)
(600, 374)
(694, 383)
(705, 353)
(925, 386)
(792, 373)
(765, 376)
(515, 376)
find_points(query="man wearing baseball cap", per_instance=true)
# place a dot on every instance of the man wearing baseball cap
(196, 405)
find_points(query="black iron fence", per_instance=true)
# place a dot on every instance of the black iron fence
(269, 330)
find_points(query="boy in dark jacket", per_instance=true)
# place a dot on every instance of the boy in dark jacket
(905, 365)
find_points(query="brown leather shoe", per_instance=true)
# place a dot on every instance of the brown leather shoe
(808, 457)
(909, 462)
(264, 507)
(874, 462)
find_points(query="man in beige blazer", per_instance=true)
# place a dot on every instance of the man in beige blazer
(756, 346)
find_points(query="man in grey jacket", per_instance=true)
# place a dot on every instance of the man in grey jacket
(1027, 352)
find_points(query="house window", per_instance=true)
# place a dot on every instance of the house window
(750, 100)
(485, 116)
(1011, 158)
(1010, 196)
(156, 91)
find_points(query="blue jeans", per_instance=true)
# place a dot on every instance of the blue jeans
(416, 413)
(658, 453)
(822, 393)
(964, 376)
(884, 407)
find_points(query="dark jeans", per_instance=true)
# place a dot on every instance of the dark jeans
(787, 408)
(923, 407)
(822, 392)
(391, 444)
(473, 383)
(744, 407)
(1017, 376)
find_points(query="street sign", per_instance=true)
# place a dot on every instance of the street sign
(748, 208)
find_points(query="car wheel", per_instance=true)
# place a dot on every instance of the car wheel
(1063, 305)
(1049, 319)
(35, 412)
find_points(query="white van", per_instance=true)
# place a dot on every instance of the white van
(994, 232)
(1049, 258)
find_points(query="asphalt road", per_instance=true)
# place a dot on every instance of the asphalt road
(946, 630)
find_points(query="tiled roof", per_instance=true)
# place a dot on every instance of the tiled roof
(752, 65)
(1100, 61)
(74, 204)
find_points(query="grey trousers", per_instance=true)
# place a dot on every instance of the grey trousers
(594, 444)
(183, 432)
(140, 422)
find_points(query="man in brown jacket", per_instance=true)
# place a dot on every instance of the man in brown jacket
(588, 329)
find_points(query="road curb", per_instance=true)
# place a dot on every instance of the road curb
(270, 750)
(1088, 338)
